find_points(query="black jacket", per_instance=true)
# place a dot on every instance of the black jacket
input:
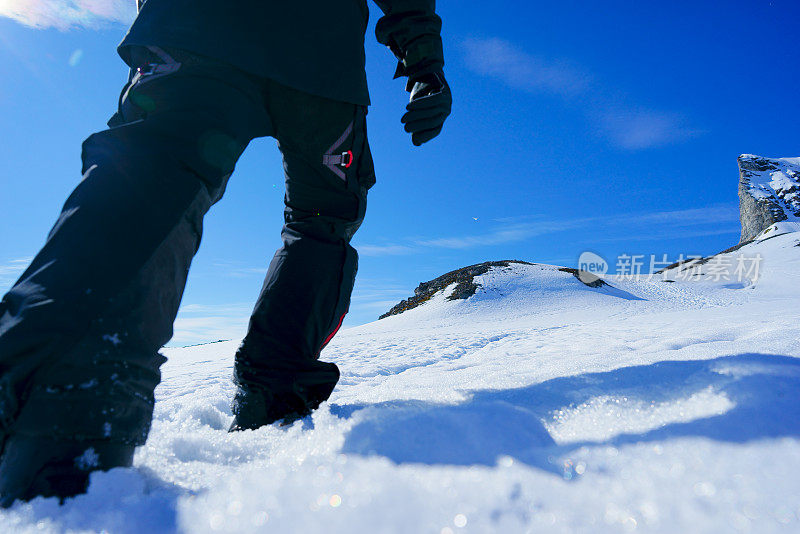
(316, 46)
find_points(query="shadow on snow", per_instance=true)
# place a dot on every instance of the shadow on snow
(764, 390)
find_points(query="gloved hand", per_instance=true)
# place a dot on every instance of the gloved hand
(428, 107)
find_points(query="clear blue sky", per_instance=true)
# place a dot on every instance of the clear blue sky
(612, 127)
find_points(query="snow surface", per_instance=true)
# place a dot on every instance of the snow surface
(537, 405)
(780, 184)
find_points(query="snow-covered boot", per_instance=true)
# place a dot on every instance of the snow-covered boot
(33, 467)
(255, 407)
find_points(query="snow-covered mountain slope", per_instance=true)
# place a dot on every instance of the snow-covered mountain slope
(539, 404)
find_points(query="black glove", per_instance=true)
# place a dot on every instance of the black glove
(429, 106)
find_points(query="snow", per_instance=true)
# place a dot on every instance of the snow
(775, 229)
(781, 184)
(539, 404)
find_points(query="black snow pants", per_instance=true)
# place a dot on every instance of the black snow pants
(81, 329)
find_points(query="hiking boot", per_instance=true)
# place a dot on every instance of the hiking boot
(33, 467)
(256, 407)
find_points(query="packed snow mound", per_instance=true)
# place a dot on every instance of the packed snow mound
(777, 229)
(526, 287)
(769, 263)
(461, 283)
(769, 192)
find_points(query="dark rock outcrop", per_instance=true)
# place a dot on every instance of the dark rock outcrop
(769, 192)
(465, 288)
(585, 277)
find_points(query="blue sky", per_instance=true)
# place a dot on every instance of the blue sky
(577, 126)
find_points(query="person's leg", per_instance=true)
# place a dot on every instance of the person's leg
(81, 329)
(307, 288)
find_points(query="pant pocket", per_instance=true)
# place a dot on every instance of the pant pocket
(149, 63)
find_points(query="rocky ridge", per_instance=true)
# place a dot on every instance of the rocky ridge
(769, 192)
(465, 288)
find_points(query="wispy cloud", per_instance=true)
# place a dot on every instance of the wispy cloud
(238, 270)
(203, 323)
(500, 59)
(65, 14)
(384, 250)
(11, 269)
(667, 234)
(628, 126)
(506, 234)
(371, 297)
(716, 214)
(635, 129)
(712, 220)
